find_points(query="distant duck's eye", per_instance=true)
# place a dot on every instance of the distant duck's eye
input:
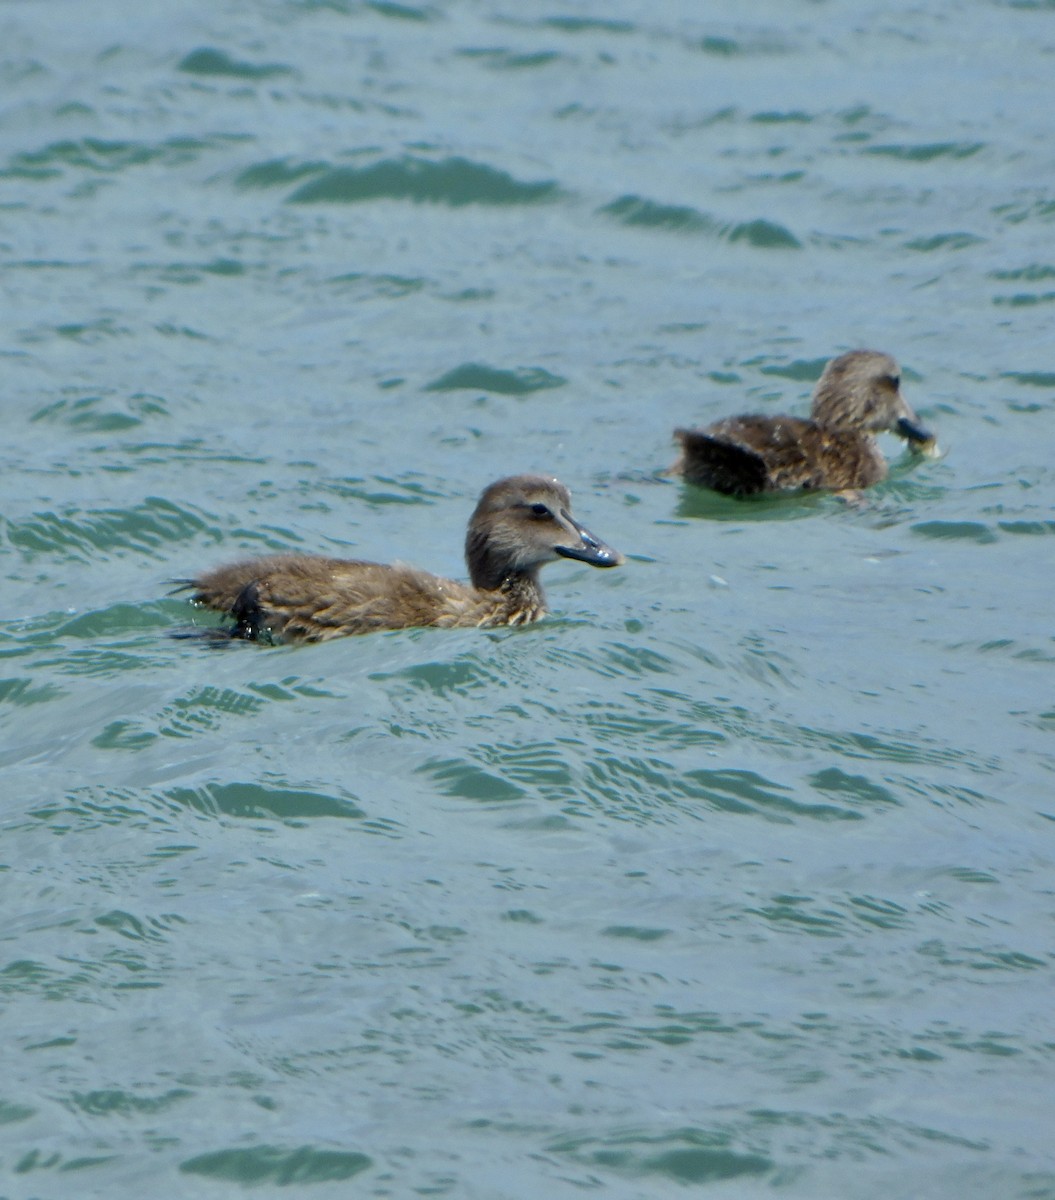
(894, 381)
(540, 510)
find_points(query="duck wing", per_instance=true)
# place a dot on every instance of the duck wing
(712, 458)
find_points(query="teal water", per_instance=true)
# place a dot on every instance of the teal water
(734, 877)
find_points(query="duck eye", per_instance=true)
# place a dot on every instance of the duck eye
(895, 381)
(540, 510)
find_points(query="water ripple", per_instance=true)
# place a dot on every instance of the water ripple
(210, 61)
(454, 181)
(256, 1165)
(261, 798)
(103, 414)
(926, 152)
(686, 1156)
(476, 377)
(148, 528)
(635, 210)
(102, 156)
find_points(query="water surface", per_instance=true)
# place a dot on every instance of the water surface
(733, 876)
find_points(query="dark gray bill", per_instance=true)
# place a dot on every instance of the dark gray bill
(592, 550)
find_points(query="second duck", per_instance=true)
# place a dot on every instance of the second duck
(857, 396)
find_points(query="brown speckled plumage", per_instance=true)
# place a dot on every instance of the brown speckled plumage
(857, 397)
(519, 525)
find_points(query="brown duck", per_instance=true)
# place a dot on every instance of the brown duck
(857, 397)
(519, 525)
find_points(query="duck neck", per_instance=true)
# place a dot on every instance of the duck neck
(508, 582)
(515, 589)
(518, 593)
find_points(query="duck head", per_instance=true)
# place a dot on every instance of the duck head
(861, 390)
(522, 523)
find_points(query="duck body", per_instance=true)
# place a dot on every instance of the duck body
(743, 456)
(857, 396)
(519, 524)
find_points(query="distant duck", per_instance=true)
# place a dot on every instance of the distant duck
(519, 525)
(857, 397)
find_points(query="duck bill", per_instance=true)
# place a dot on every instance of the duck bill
(912, 431)
(589, 549)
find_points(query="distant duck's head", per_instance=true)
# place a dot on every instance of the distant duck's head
(522, 523)
(861, 390)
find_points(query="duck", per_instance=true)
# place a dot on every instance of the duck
(857, 396)
(519, 524)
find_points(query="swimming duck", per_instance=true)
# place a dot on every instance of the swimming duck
(856, 397)
(519, 525)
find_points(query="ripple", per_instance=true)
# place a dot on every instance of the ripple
(615, 724)
(117, 1102)
(23, 692)
(48, 1160)
(637, 933)
(208, 61)
(147, 528)
(462, 677)
(136, 929)
(402, 12)
(699, 503)
(106, 157)
(277, 172)
(89, 808)
(103, 414)
(190, 273)
(1025, 299)
(687, 1156)
(855, 788)
(977, 958)
(477, 377)
(1035, 273)
(453, 181)
(201, 710)
(928, 151)
(1027, 528)
(800, 370)
(765, 235)
(377, 492)
(388, 286)
(944, 241)
(586, 25)
(1041, 379)
(503, 59)
(118, 619)
(680, 218)
(258, 799)
(763, 41)
(898, 746)
(632, 210)
(738, 791)
(1042, 210)
(775, 117)
(455, 777)
(270, 1164)
(85, 980)
(956, 531)
(12, 1113)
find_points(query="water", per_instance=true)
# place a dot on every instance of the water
(734, 876)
